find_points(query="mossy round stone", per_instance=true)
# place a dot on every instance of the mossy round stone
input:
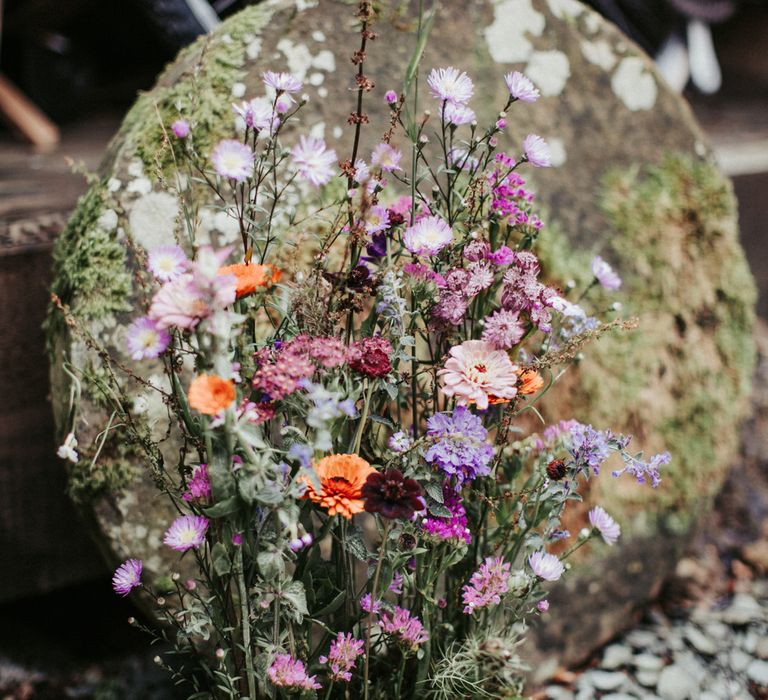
(634, 182)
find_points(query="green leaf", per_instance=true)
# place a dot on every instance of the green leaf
(439, 510)
(434, 491)
(332, 607)
(418, 51)
(355, 545)
(223, 508)
(270, 563)
(295, 595)
(222, 564)
(382, 420)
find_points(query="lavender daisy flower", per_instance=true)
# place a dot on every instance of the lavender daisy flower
(127, 576)
(233, 160)
(376, 220)
(537, 151)
(487, 585)
(281, 82)
(608, 528)
(186, 532)
(314, 160)
(605, 274)
(520, 87)
(546, 566)
(458, 114)
(400, 442)
(386, 158)
(503, 329)
(180, 128)
(428, 236)
(258, 114)
(146, 340)
(450, 85)
(167, 262)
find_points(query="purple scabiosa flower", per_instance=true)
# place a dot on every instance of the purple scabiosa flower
(459, 448)
(546, 566)
(390, 97)
(199, 486)
(644, 471)
(406, 628)
(167, 262)
(400, 442)
(186, 532)
(487, 585)
(542, 606)
(450, 85)
(314, 160)
(342, 656)
(287, 672)
(520, 87)
(386, 157)
(503, 329)
(376, 220)
(453, 527)
(180, 128)
(605, 274)
(127, 576)
(367, 604)
(428, 236)
(458, 114)
(281, 82)
(232, 160)
(146, 340)
(537, 151)
(608, 528)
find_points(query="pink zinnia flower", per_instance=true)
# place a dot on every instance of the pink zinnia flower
(314, 160)
(608, 528)
(386, 157)
(537, 151)
(233, 160)
(487, 585)
(503, 329)
(428, 236)
(281, 82)
(546, 566)
(448, 84)
(146, 340)
(605, 274)
(180, 128)
(458, 114)
(342, 656)
(179, 303)
(167, 262)
(186, 532)
(287, 672)
(520, 87)
(477, 373)
(127, 576)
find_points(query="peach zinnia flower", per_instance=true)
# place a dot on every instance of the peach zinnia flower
(210, 394)
(530, 382)
(251, 277)
(341, 480)
(477, 373)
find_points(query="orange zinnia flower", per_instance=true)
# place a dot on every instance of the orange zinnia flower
(251, 277)
(341, 479)
(210, 394)
(530, 382)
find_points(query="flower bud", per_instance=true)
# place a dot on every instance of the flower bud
(220, 653)
(556, 469)
(390, 96)
(584, 533)
(158, 661)
(518, 583)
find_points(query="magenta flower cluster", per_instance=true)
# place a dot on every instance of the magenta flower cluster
(487, 585)
(342, 656)
(287, 672)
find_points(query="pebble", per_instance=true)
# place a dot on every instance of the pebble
(648, 679)
(619, 696)
(757, 672)
(647, 662)
(603, 680)
(557, 692)
(742, 610)
(675, 683)
(702, 643)
(761, 648)
(615, 656)
(739, 660)
(641, 639)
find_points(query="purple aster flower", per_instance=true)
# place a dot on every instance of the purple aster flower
(459, 448)
(186, 532)
(314, 160)
(146, 340)
(377, 220)
(428, 236)
(546, 566)
(406, 628)
(644, 471)
(503, 329)
(127, 576)
(453, 527)
(448, 84)
(233, 160)
(386, 158)
(390, 97)
(608, 528)
(520, 87)
(281, 82)
(180, 128)
(400, 442)
(537, 151)
(342, 656)
(605, 274)
(167, 262)
(199, 486)
(287, 672)
(487, 585)
(258, 114)
(458, 114)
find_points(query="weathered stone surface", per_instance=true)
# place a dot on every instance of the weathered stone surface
(635, 182)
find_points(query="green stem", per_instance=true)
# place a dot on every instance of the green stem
(369, 622)
(363, 418)
(245, 622)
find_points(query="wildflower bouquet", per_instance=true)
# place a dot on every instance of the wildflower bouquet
(362, 504)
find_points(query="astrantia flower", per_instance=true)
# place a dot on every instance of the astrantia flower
(199, 486)
(342, 656)
(457, 114)
(211, 394)
(251, 277)
(281, 82)
(371, 356)
(428, 236)
(287, 672)
(314, 160)
(400, 442)
(546, 566)
(167, 262)
(477, 373)
(233, 160)
(127, 576)
(406, 628)
(605, 274)
(487, 585)
(480, 277)
(449, 84)
(386, 158)
(537, 151)
(392, 495)
(453, 527)
(520, 87)
(180, 128)
(608, 528)
(503, 329)
(146, 340)
(341, 481)
(186, 532)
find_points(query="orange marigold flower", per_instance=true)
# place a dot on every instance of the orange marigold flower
(341, 480)
(210, 394)
(530, 382)
(251, 277)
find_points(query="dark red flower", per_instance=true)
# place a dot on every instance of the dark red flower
(370, 356)
(556, 469)
(392, 495)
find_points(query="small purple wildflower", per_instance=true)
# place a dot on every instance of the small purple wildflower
(400, 442)
(199, 486)
(146, 340)
(167, 262)
(367, 604)
(281, 82)
(427, 236)
(287, 672)
(390, 97)
(127, 576)
(314, 160)
(406, 628)
(186, 532)
(605, 274)
(537, 151)
(487, 585)
(386, 158)
(232, 160)
(644, 471)
(542, 605)
(342, 656)
(546, 566)
(450, 85)
(520, 87)
(608, 528)
(453, 527)
(180, 128)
